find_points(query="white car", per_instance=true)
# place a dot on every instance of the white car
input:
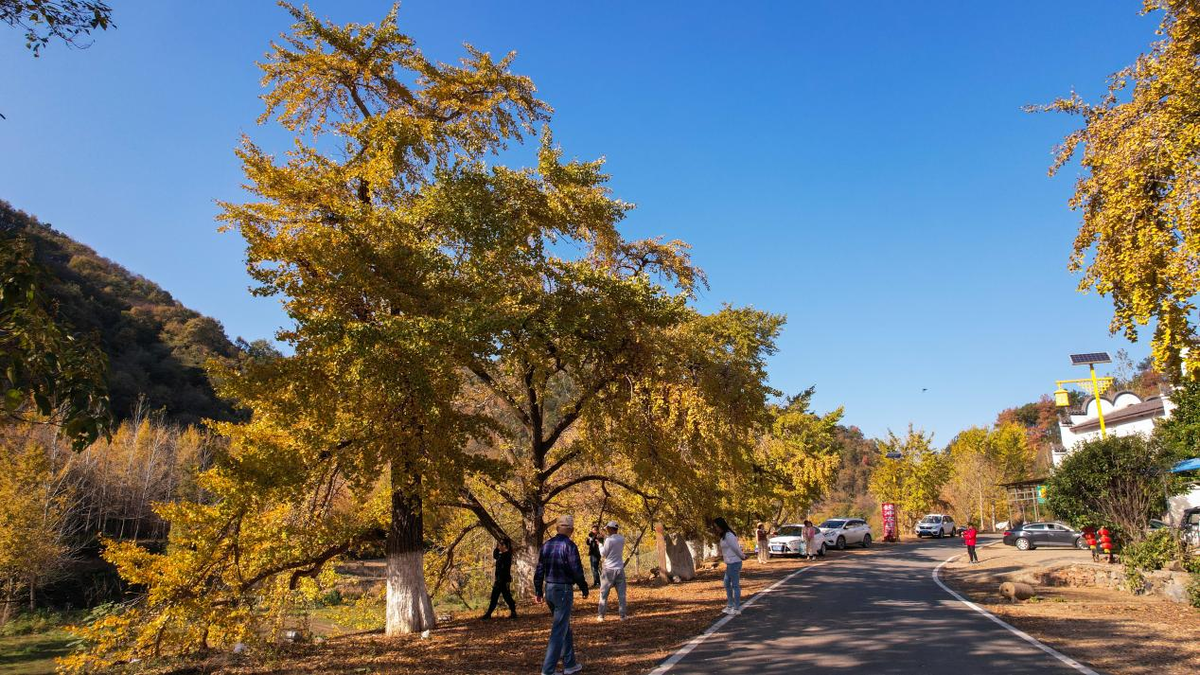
(789, 540)
(936, 525)
(841, 532)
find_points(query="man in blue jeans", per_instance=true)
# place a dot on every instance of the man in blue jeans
(559, 568)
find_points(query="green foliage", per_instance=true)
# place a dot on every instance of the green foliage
(1180, 433)
(65, 20)
(1120, 482)
(1154, 552)
(156, 348)
(46, 369)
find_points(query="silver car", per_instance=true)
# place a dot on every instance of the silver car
(936, 525)
(841, 532)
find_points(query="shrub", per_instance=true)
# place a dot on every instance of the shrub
(1154, 552)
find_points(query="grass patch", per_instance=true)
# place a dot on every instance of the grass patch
(34, 653)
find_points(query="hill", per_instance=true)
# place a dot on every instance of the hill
(156, 347)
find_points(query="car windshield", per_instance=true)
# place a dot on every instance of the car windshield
(832, 524)
(931, 519)
(790, 531)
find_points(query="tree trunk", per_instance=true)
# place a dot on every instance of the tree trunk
(679, 558)
(529, 548)
(660, 548)
(409, 609)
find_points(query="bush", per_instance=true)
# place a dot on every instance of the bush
(1154, 552)
(1120, 482)
(40, 621)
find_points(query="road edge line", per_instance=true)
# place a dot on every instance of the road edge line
(687, 648)
(1070, 662)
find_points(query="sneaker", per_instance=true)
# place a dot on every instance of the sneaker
(727, 610)
(571, 671)
(736, 612)
(624, 617)
(599, 619)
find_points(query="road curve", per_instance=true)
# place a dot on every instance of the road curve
(880, 613)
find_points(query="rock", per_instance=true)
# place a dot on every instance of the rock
(239, 647)
(1014, 591)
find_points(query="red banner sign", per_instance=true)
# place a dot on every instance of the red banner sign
(889, 522)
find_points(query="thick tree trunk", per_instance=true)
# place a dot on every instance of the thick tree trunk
(409, 609)
(528, 549)
(679, 558)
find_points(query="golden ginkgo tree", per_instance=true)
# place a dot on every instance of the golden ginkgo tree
(1139, 242)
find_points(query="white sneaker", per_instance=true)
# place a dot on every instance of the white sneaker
(599, 619)
(727, 610)
(736, 612)
(571, 671)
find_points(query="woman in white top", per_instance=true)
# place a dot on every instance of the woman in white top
(731, 552)
(810, 540)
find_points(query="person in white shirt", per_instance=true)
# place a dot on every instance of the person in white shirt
(731, 552)
(612, 553)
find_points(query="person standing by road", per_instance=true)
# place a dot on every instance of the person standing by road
(968, 537)
(613, 574)
(502, 554)
(594, 539)
(761, 543)
(558, 568)
(811, 546)
(732, 554)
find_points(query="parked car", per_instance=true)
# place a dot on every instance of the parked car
(936, 525)
(1031, 535)
(841, 532)
(789, 540)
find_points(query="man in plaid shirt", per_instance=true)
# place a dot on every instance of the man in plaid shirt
(559, 568)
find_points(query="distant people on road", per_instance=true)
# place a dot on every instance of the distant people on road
(594, 539)
(761, 537)
(559, 568)
(811, 546)
(732, 554)
(613, 575)
(502, 554)
(968, 537)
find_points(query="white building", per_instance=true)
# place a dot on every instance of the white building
(1125, 414)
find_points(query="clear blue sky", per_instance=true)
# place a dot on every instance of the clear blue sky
(865, 170)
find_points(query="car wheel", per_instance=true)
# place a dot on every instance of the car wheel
(1080, 544)
(939, 534)
(1023, 544)
(821, 551)
(920, 536)
(866, 540)
(953, 532)
(841, 543)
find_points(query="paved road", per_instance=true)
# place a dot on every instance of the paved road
(880, 613)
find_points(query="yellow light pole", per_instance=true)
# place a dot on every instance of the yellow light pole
(1096, 393)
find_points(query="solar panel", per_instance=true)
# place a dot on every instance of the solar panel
(1090, 358)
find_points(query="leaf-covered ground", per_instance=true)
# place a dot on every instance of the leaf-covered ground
(661, 619)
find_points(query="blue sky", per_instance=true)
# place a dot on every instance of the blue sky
(868, 173)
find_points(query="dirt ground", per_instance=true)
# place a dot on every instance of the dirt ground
(1111, 631)
(661, 619)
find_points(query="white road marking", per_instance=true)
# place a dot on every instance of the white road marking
(1012, 629)
(699, 639)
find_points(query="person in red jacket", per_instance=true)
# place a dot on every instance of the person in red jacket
(968, 537)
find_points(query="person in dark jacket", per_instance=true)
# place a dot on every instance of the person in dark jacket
(502, 554)
(594, 539)
(558, 568)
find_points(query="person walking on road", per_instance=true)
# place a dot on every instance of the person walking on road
(761, 543)
(731, 552)
(559, 568)
(613, 575)
(968, 537)
(594, 539)
(810, 540)
(502, 554)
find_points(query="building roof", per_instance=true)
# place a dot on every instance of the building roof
(1149, 408)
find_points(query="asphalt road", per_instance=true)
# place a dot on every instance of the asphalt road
(880, 613)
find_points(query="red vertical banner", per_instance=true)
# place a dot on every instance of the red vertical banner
(889, 522)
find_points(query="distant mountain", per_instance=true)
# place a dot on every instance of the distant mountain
(156, 347)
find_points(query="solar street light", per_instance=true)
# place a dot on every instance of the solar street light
(1062, 397)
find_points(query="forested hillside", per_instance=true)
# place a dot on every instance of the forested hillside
(156, 347)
